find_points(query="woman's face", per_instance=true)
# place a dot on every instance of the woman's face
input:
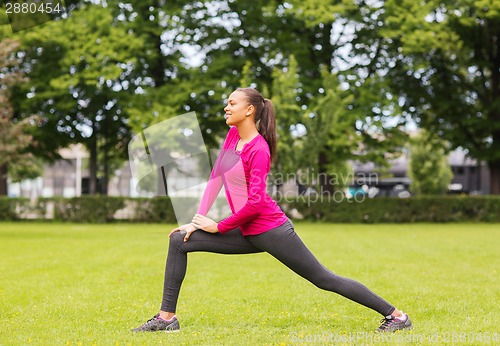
(237, 108)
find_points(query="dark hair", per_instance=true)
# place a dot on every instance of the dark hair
(265, 118)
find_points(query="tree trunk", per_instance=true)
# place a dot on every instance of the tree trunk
(93, 161)
(326, 188)
(105, 181)
(494, 177)
(3, 180)
(158, 65)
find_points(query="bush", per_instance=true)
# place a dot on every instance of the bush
(395, 210)
(87, 209)
(103, 209)
(156, 209)
(8, 208)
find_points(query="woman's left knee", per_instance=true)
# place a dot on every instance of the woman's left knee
(176, 239)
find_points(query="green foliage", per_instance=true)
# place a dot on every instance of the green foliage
(285, 97)
(16, 159)
(157, 209)
(429, 170)
(108, 69)
(88, 209)
(80, 70)
(339, 131)
(445, 60)
(9, 207)
(247, 77)
(26, 170)
(331, 138)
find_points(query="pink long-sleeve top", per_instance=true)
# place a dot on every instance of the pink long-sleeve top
(243, 174)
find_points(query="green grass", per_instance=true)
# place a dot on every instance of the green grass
(68, 284)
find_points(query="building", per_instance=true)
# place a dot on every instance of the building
(69, 177)
(469, 175)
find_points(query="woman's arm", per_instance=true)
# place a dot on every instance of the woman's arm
(259, 163)
(212, 190)
(215, 182)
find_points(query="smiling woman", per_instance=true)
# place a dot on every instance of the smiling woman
(257, 223)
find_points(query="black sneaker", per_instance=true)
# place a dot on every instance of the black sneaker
(157, 324)
(392, 324)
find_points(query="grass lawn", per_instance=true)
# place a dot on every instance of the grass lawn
(69, 284)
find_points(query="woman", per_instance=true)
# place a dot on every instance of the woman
(257, 223)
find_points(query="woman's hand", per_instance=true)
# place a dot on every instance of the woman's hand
(204, 223)
(188, 228)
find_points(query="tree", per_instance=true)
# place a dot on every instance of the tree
(445, 59)
(331, 138)
(80, 72)
(247, 76)
(429, 170)
(14, 140)
(316, 33)
(285, 98)
(225, 35)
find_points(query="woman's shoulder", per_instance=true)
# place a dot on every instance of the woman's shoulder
(232, 134)
(232, 131)
(261, 144)
(259, 147)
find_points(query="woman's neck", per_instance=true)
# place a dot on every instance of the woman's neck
(247, 131)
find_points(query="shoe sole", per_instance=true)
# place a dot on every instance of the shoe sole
(410, 327)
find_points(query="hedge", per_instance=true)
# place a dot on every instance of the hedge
(88, 209)
(396, 210)
(103, 209)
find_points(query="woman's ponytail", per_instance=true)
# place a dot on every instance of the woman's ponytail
(267, 127)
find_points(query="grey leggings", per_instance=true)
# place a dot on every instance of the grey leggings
(281, 242)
